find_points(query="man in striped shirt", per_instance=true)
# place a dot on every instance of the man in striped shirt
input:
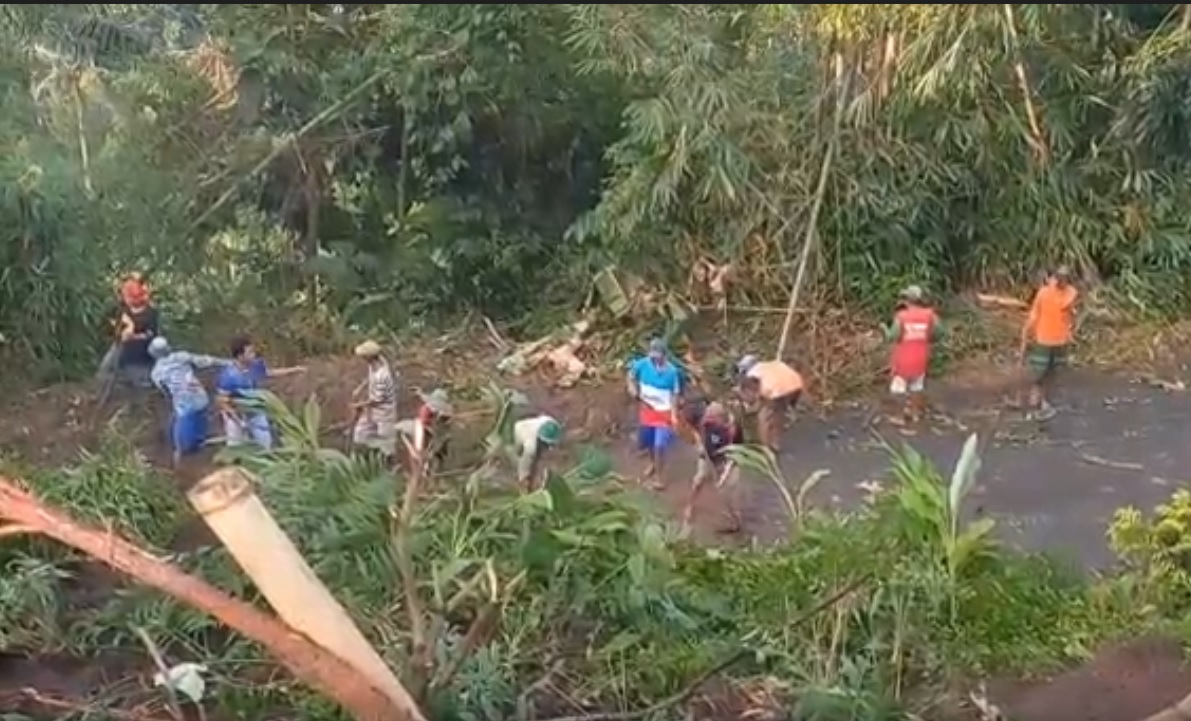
(376, 414)
(174, 374)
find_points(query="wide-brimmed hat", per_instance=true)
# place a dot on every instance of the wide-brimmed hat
(438, 401)
(368, 349)
(550, 432)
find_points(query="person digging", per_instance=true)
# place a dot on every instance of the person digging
(532, 439)
(1045, 337)
(915, 328)
(426, 434)
(138, 325)
(718, 429)
(375, 424)
(773, 388)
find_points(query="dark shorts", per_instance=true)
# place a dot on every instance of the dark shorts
(1043, 360)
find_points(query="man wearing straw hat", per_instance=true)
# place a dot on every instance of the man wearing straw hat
(376, 414)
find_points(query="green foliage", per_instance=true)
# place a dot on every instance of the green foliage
(583, 580)
(1158, 549)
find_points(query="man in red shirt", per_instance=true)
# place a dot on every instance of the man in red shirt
(914, 329)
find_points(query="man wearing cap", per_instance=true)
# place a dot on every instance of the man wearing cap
(376, 415)
(655, 383)
(174, 373)
(776, 388)
(1046, 335)
(532, 437)
(914, 329)
(427, 431)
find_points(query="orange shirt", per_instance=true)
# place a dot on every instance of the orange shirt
(1053, 314)
(776, 378)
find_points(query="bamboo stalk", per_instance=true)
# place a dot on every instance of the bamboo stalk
(1036, 137)
(808, 243)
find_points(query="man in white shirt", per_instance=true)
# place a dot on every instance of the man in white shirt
(532, 437)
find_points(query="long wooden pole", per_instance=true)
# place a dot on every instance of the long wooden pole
(811, 235)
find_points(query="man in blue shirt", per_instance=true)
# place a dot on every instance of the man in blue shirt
(174, 373)
(655, 383)
(238, 388)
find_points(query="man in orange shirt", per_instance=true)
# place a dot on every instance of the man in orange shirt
(777, 387)
(1048, 331)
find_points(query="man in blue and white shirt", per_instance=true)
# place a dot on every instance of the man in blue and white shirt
(174, 373)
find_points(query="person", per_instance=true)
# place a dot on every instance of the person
(776, 388)
(138, 325)
(655, 384)
(131, 288)
(240, 382)
(718, 429)
(532, 438)
(376, 414)
(174, 374)
(1046, 335)
(914, 328)
(427, 431)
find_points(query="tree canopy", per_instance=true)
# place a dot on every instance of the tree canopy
(404, 163)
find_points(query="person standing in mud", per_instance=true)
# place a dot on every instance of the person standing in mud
(1046, 336)
(238, 388)
(914, 329)
(427, 433)
(174, 373)
(773, 388)
(717, 429)
(656, 385)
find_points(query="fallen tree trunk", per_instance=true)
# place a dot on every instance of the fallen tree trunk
(315, 666)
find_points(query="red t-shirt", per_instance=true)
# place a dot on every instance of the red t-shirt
(911, 350)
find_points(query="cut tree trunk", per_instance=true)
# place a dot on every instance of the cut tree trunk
(315, 666)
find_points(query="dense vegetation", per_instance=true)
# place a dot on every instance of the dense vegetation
(585, 599)
(404, 163)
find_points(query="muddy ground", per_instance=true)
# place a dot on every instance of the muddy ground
(1052, 486)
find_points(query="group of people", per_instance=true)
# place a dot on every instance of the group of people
(666, 411)
(772, 389)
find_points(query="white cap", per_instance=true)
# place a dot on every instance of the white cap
(745, 364)
(159, 347)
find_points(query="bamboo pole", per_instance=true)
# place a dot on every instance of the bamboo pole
(320, 669)
(808, 243)
(235, 514)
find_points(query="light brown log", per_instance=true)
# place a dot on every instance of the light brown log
(232, 510)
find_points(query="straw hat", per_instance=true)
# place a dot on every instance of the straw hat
(368, 349)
